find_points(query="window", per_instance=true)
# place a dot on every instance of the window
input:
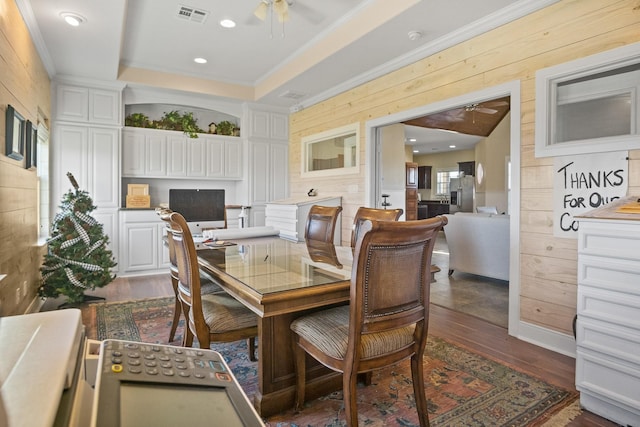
(589, 105)
(443, 179)
(333, 152)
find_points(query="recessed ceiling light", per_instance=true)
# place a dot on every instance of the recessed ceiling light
(200, 60)
(452, 146)
(73, 19)
(416, 151)
(227, 23)
(412, 140)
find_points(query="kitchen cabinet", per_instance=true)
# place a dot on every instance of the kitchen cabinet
(468, 168)
(431, 209)
(424, 177)
(152, 153)
(608, 309)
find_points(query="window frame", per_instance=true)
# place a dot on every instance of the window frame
(547, 82)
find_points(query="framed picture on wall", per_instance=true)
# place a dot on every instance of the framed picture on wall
(31, 145)
(15, 134)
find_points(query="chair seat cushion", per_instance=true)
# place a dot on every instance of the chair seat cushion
(328, 330)
(223, 313)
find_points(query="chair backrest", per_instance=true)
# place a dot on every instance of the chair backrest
(321, 223)
(364, 214)
(390, 287)
(186, 260)
(320, 251)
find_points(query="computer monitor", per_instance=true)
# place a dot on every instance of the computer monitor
(201, 208)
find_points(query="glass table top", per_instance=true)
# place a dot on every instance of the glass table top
(270, 265)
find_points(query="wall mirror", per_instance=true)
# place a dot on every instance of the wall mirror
(15, 134)
(589, 105)
(333, 152)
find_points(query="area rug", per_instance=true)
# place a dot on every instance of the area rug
(463, 388)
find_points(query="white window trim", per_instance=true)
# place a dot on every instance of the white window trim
(546, 99)
(353, 128)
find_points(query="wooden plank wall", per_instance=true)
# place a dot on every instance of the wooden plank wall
(24, 84)
(562, 32)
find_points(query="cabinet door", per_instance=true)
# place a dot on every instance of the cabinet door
(424, 177)
(104, 106)
(260, 124)
(279, 126)
(233, 159)
(260, 179)
(163, 250)
(215, 158)
(279, 171)
(71, 155)
(156, 155)
(109, 220)
(72, 103)
(141, 247)
(176, 156)
(197, 157)
(469, 168)
(104, 179)
(133, 154)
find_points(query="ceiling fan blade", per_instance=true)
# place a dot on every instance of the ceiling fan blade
(261, 10)
(281, 7)
(495, 104)
(486, 110)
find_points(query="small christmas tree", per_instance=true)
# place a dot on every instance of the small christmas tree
(78, 258)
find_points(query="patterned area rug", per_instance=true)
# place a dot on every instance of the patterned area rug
(463, 388)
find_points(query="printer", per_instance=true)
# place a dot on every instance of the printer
(51, 375)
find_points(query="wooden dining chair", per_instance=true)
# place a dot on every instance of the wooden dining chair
(208, 284)
(388, 315)
(364, 214)
(321, 223)
(210, 317)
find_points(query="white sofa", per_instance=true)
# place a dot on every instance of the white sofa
(478, 244)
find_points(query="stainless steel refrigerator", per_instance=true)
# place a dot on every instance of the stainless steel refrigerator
(462, 194)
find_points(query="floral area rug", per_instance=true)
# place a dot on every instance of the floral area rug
(463, 388)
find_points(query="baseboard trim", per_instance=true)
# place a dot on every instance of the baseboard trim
(546, 338)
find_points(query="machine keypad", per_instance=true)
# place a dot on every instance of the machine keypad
(126, 359)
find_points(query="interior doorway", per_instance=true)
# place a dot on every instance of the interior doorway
(374, 186)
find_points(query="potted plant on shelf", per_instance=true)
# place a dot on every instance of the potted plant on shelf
(138, 120)
(225, 127)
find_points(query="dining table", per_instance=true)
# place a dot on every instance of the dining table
(280, 280)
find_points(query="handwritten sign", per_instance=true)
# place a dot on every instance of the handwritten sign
(583, 183)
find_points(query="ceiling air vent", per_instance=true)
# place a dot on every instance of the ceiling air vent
(189, 13)
(292, 95)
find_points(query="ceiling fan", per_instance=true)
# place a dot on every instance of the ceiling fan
(279, 7)
(461, 114)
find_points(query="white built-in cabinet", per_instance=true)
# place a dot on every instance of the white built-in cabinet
(142, 250)
(268, 137)
(608, 308)
(151, 153)
(269, 176)
(85, 141)
(269, 125)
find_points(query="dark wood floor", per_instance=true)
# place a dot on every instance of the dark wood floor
(479, 336)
